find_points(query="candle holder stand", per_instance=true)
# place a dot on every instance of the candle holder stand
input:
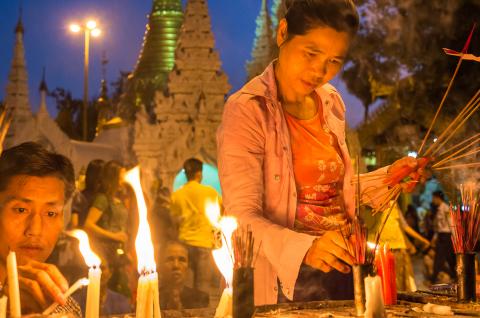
(360, 272)
(243, 304)
(466, 277)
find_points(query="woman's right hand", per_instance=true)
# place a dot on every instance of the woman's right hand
(330, 252)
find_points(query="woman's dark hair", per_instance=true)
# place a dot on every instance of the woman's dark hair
(110, 178)
(32, 159)
(304, 15)
(93, 175)
(191, 167)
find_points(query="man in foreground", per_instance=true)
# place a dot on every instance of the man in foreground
(35, 184)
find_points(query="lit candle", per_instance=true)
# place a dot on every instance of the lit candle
(223, 256)
(93, 292)
(13, 289)
(148, 303)
(385, 262)
(3, 307)
(92, 310)
(224, 308)
(374, 307)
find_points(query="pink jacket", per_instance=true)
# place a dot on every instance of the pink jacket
(258, 185)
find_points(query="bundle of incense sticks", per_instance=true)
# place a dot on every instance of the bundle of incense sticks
(465, 217)
(243, 248)
(439, 155)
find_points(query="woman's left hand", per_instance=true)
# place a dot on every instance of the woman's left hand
(407, 172)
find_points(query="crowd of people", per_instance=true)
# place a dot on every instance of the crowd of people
(35, 219)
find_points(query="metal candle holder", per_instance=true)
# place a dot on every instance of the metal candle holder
(466, 277)
(243, 305)
(359, 274)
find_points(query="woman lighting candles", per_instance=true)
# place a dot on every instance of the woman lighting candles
(284, 165)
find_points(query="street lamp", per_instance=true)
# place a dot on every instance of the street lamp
(90, 28)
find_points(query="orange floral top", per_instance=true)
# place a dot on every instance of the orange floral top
(319, 172)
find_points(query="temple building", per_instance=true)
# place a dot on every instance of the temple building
(156, 58)
(189, 110)
(41, 127)
(264, 46)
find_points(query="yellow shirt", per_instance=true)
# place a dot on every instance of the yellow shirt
(393, 232)
(188, 210)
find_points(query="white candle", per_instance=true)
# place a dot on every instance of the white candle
(224, 308)
(156, 295)
(3, 307)
(374, 307)
(13, 289)
(142, 291)
(93, 293)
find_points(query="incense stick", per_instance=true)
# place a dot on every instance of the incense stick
(451, 134)
(475, 138)
(440, 106)
(473, 101)
(451, 158)
(460, 166)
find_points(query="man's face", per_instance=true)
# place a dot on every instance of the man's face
(31, 216)
(175, 264)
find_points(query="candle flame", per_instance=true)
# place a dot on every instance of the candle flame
(212, 209)
(91, 259)
(143, 241)
(223, 256)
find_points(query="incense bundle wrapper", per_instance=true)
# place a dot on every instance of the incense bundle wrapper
(466, 277)
(360, 272)
(243, 303)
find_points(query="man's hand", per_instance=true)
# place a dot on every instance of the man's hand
(330, 252)
(40, 285)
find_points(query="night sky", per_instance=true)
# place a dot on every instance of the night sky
(49, 43)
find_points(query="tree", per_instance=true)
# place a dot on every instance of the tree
(69, 117)
(398, 53)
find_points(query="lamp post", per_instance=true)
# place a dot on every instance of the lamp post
(90, 29)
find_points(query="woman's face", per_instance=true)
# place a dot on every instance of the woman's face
(308, 61)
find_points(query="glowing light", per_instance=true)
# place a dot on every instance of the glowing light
(223, 256)
(91, 24)
(412, 154)
(143, 241)
(96, 32)
(75, 28)
(212, 209)
(435, 139)
(91, 259)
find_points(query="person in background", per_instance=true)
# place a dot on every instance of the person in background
(82, 201)
(194, 229)
(107, 217)
(393, 233)
(34, 186)
(111, 302)
(442, 240)
(173, 292)
(107, 223)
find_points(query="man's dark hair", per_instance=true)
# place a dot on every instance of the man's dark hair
(439, 194)
(32, 159)
(304, 15)
(191, 167)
